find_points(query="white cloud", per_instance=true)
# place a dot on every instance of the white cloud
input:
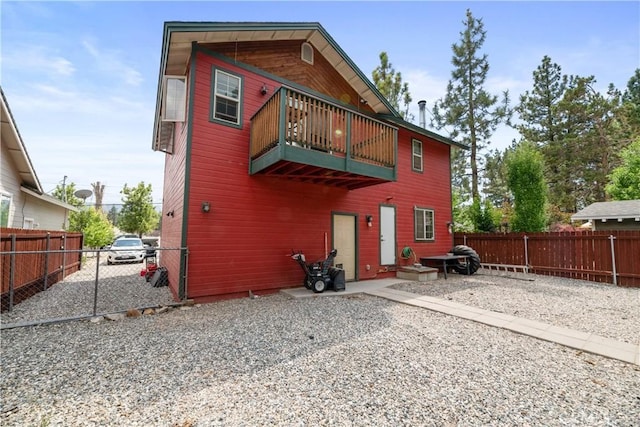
(110, 61)
(37, 59)
(42, 98)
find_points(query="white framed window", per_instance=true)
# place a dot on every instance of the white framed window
(227, 92)
(5, 209)
(175, 98)
(416, 155)
(306, 53)
(424, 224)
(28, 223)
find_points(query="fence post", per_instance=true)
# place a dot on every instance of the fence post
(526, 252)
(95, 286)
(46, 261)
(464, 239)
(12, 270)
(613, 260)
(64, 254)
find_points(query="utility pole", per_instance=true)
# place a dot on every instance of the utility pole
(64, 189)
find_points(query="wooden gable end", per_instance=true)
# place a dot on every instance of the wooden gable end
(283, 59)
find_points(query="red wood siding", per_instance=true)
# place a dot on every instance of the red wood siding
(172, 202)
(244, 242)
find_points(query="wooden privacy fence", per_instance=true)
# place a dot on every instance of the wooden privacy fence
(25, 273)
(598, 256)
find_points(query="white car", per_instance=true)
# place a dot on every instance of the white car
(126, 249)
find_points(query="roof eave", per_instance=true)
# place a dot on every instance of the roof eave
(48, 199)
(172, 27)
(425, 132)
(20, 149)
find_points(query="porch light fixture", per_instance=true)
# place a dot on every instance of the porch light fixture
(369, 219)
(206, 207)
(264, 89)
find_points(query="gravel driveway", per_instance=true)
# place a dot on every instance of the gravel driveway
(349, 361)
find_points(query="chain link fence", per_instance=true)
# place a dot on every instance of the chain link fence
(97, 287)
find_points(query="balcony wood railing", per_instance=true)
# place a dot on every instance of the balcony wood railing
(301, 120)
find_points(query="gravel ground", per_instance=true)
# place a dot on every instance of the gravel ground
(120, 287)
(602, 309)
(346, 360)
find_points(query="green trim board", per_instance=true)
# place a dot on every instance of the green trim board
(182, 287)
(321, 160)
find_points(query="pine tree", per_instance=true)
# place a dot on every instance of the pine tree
(592, 142)
(538, 108)
(473, 113)
(494, 179)
(389, 83)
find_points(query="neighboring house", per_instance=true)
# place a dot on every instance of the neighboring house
(618, 215)
(275, 141)
(23, 204)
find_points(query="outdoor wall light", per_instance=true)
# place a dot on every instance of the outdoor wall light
(206, 207)
(369, 219)
(264, 89)
(170, 213)
(450, 227)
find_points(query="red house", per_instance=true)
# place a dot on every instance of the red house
(274, 141)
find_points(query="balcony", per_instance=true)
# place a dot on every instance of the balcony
(298, 136)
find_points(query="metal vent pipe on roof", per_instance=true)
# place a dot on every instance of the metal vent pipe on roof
(422, 116)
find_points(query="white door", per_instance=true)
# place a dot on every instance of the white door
(344, 240)
(387, 235)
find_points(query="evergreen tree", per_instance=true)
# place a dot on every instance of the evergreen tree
(538, 109)
(112, 215)
(137, 214)
(630, 111)
(389, 83)
(473, 113)
(483, 216)
(579, 131)
(526, 182)
(494, 183)
(544, 125)
(593, 140)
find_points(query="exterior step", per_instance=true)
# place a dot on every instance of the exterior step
(417, 273)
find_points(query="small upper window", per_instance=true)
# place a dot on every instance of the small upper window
(416, 157)
(175, 95)
(226, 97)
(306, 53)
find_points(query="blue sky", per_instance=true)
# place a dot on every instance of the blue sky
(81, 77)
